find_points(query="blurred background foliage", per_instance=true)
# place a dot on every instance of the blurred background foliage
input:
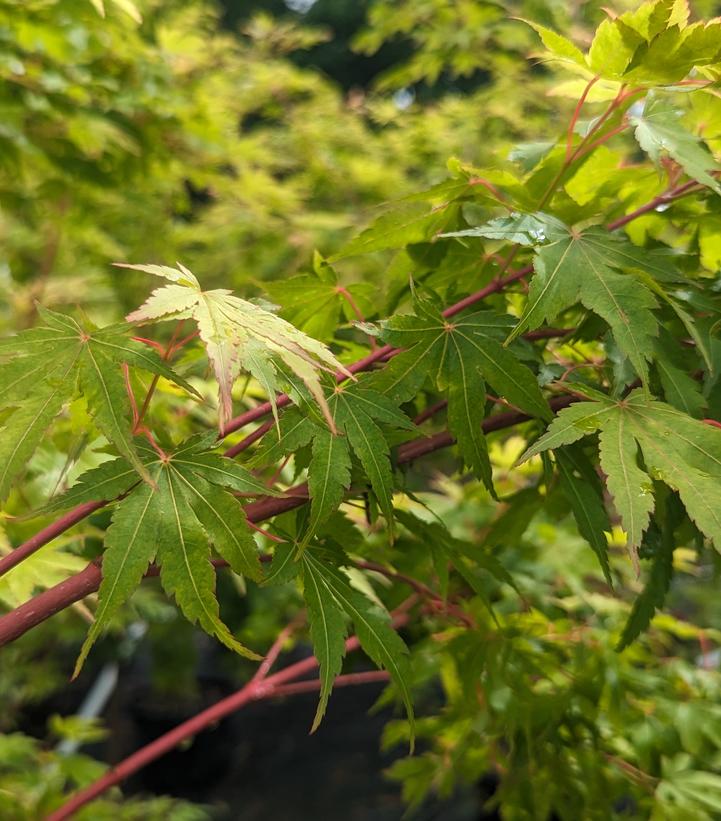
(239, 137)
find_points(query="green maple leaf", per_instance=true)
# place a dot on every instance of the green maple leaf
(596, 269)
(659, 131)
(667, 54)
(330, 599)
(329, 476)
(328, 631)
(44, 368)
(460, 356)
(238, 334)
(582, 489)
(679, 388)
(652, 597)
(466, 560)
(105, 482)
(174, 519)
(412, 223)
(681, 452)
(357, 411)
(652, 45)
(559, 47)
(316, 301)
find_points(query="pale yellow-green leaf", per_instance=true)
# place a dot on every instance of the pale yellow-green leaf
(169, 302)
(46, 568)
(237, 333)
(130, 9)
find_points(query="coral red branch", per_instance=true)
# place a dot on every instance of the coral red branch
(47, 534)
(252, 691)
(368, 677)
(276, 649)
(690, 187)
(576, 113)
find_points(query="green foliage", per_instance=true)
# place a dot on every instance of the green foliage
(172, 518)
(680, 451)
(330, 597)
(658, 129)
(33, 781)
(586, 197)
(48, 365)
(458, 356)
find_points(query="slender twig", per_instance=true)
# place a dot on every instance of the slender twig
(430, 412)
(251, 692)
(421, 589)
(367, 677)
(604, 138)
(348, 297)
(276, 649)
(167, 354)
(585, 144)
(576, 113)
(690, 187)
(250, 439)
(47, 534)
(497, 193)
(643, 779)
(131, 396)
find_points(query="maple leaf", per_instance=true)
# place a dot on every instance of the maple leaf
(330, 600)
(43, 368)
(411, 223)
(582, 488)
(459, 355)
(316, 301)
(173, 519)
(659, 129)
(679, 451)
(651, 598)
(652, 45)
(592, 267)
(238, 335)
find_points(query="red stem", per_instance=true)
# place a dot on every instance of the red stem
(430, 412)
(47, 534)
(420, 588)
(492, 288)
(368, 677)
(576, 113)
(689, 187)
(604, 138)
(346, 294)
(244, 444)
(252, 691)
(276, 648)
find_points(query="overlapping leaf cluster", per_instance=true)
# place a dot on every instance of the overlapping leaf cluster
(42, 369)
(638, 360)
